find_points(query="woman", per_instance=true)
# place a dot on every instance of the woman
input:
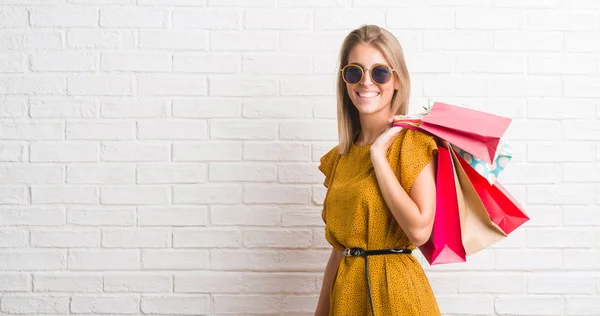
(380, 200)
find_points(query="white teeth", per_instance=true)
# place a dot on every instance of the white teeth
(368, 94)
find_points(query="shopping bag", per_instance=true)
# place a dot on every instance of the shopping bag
(478, 231)
(445, 243)
(503, 209)
(489, 171)
(476, 132)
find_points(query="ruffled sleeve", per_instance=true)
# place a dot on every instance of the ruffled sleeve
(415, 150)
(328, 162)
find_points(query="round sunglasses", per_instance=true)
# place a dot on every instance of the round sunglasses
(380, 73)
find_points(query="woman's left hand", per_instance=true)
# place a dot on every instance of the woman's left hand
(385, 140)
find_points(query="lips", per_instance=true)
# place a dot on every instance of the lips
(368, 94)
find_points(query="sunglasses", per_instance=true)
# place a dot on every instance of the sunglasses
(380, 73)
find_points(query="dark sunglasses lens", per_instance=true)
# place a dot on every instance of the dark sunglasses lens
(352, 74)
(381, 74)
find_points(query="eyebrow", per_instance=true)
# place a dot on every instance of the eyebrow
(364, 65)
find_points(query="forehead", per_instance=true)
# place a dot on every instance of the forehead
(366, 55)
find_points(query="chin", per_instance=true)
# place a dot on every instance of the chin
(369, 107)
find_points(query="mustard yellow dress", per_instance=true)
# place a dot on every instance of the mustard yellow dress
(356, 215)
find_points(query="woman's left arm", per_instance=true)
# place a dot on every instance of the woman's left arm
(414, 211)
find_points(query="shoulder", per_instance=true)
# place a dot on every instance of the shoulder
(327, 163)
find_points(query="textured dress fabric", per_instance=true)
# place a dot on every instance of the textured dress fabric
(356, 215)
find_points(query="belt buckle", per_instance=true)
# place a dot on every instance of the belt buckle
(347, 252)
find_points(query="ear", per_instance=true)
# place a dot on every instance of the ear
(396, 82)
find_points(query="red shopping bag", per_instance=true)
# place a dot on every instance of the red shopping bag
(476, 132)
(504, 210)
(445, 244)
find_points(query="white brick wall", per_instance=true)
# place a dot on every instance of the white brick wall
(160, 156)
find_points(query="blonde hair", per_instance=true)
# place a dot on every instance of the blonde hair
(386, 42)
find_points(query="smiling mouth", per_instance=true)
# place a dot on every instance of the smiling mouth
(367, 95)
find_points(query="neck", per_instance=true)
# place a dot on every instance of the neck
(372, 125)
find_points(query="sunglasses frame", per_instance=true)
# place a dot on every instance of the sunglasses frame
(362, 73)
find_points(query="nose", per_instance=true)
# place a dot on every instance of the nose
(366, 80)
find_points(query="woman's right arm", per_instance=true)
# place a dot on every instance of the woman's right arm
(330, 270)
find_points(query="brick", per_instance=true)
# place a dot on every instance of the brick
(134, 195)
(134, 151)
(170, 85)
(103, 84)
(240, 87)
(172, 129)
(98, 216)
(244, 304)
(207, 108)
(561, 152)
(14, 17)
(15, 282)
(235, 3)
(138, 282)
(206, 238)
(100, 39)
(580, 259)
(267, 63)
(303, 86)
(103, 259)
(244, 215)
(563, 64)
(100, 174)
(247, 40)
(576, 194)
(32, 260)
(258, 282)
(136, 238)
(67, 282)
(526, 86)
(577, 215)
(12, 62)
(556, 108)
(299, 173)
(26, 130)
(569, 283)
(172, 216)
(438, 85)
(481, 261)
(562, 20)
(71, 238)
(528, 41)
(13, 238)
(552, 237)
(133, 17)
(59, 194)
(199, 3)
(326, 41)
(207, 63)
(535, 130)
(174, 259)
(14, 195)
(530, 305)
(302, 217)
(147, 62)
(105, 304)
(172, 173)
(63, 17)
(430, 62)
(276, 194)
(29, 40)
(207, 151)
(134, 108)
(209, 282)
(13, 108)
(526, 3)
(341, 19)
(545, 216)
(32, 216)
(100, 130)
(31, 174)
(304, 260)
(176, 304)
(310, 130)
(457, 40)
(467, 304)
(63, 61)
(289, 238)
(11, 152)
(71, 107)
(582, 88)
(581, 172)
(318, 194)
(276, 151)
(309, 3)
(207, 194)
(243, 129)
(492, 283)
(582, 42)
(518, 173)
(174, 40)
(324, 64)
(491, 63)
(220, 19)
(244, 260)
(490, 19)
(33, 85)
(418, 18)
(577, 305)
(242, 172)
(35, 304)
(277, 19)
(63, 152)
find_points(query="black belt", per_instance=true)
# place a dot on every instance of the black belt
(359, 252)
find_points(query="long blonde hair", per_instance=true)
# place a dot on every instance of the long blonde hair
(386, 42)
